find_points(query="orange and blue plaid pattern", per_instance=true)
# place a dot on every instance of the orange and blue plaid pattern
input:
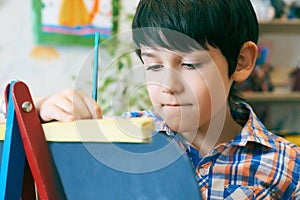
(255, 165)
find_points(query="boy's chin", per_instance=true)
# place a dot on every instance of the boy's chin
(183, 128)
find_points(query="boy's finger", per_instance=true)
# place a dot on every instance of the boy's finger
(96, 111)
(56, 113)
(92, 106)
(83, 108)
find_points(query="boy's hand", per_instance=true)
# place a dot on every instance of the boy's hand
(68, 105)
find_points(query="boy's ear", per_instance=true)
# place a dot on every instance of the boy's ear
(246, 61)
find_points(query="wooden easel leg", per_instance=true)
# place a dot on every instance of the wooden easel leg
(28, 189)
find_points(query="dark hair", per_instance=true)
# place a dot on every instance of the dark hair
(223, 24)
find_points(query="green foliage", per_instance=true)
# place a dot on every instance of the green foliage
(119, 91)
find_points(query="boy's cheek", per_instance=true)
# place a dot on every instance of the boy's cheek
(154, 93)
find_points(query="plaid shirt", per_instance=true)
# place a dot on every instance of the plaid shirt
(256, 164)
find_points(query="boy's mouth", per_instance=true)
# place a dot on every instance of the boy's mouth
(176, 105)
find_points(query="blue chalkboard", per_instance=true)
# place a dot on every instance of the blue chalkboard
(156, 170)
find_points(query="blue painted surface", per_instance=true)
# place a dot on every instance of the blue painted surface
(91, 170)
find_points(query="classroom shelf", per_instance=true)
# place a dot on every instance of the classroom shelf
(270, 97)
(280, 26)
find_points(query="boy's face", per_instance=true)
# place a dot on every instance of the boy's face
(186, 88)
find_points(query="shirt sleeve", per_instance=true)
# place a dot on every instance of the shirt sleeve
(145, 113)
(160, 124)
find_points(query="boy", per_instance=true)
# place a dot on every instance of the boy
(234, 155)
(193, 52)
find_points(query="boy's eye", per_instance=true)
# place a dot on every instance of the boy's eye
(190, 65)
(154, 67)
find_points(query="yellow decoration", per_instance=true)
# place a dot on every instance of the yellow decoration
(75, 13)
(43, 52)
(295, 139)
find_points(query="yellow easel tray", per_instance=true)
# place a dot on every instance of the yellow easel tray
(132, 130)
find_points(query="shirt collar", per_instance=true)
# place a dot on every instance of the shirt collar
(253, 130)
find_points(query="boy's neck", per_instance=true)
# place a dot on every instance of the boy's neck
(225, 129)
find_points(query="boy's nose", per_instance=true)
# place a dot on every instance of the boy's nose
(172, 82)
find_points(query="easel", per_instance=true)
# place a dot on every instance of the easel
(26, 158)
(70, 171)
